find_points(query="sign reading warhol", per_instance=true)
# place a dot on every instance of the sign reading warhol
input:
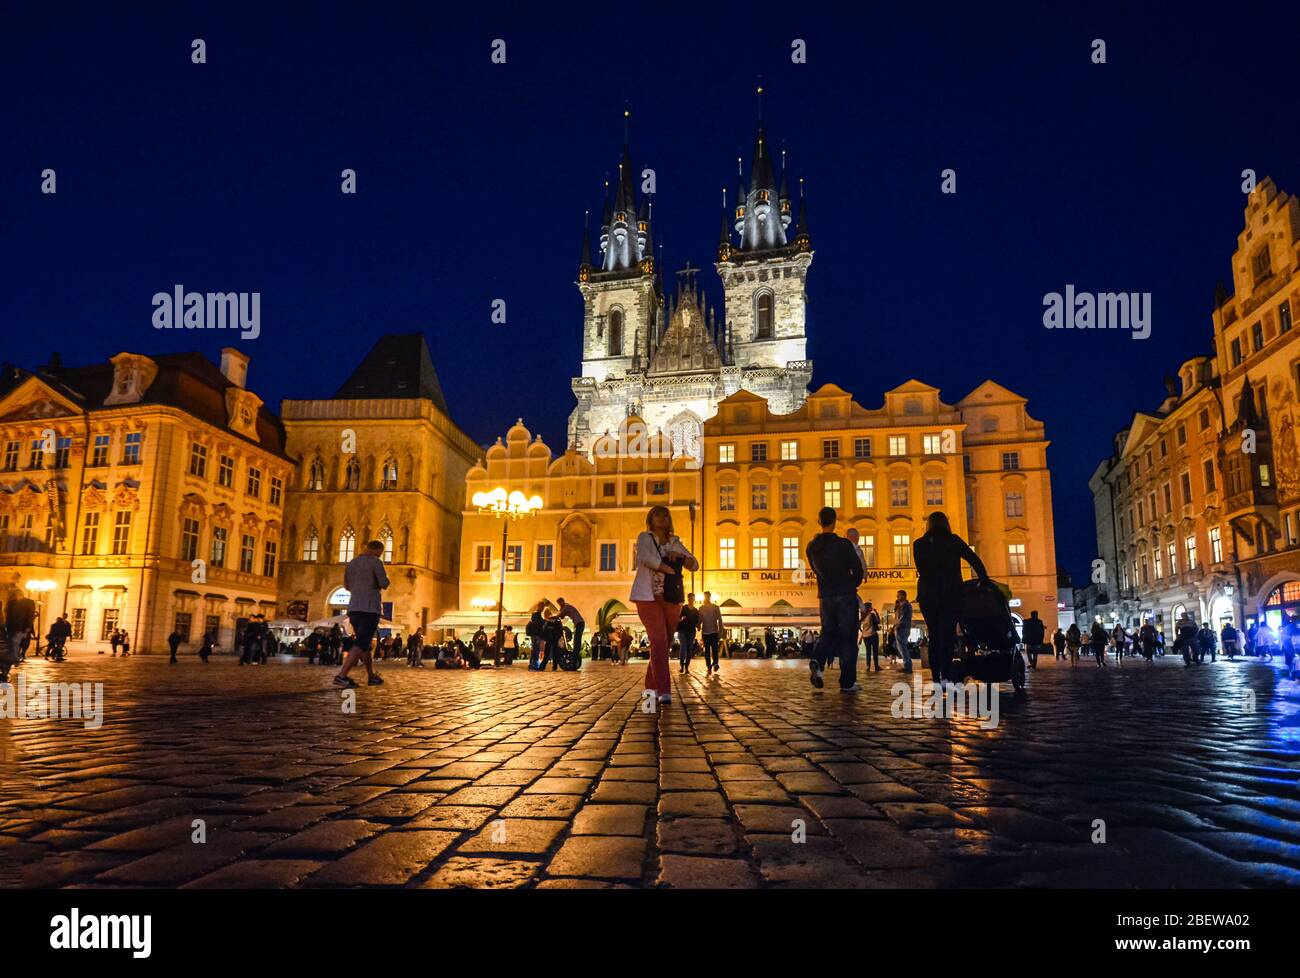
(1098, 310)
(179, 309)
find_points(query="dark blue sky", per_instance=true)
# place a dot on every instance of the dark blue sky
(473, 178)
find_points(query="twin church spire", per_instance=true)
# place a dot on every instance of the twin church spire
(762, 218)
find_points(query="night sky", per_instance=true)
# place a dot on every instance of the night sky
(473, 178)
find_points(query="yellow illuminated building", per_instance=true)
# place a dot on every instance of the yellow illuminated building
(381, 460)
(982, 461)
(1198, 506)
(581, 544)
(148, 491)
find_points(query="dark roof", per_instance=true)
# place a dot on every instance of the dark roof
(189, 382)
(398, 365)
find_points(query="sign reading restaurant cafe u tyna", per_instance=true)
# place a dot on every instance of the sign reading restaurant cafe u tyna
(752, 588)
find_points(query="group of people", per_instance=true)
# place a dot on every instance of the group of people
(1193, 641)
(549, 638)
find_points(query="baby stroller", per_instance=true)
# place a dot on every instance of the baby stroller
(988, 649)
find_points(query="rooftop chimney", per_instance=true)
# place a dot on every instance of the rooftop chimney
(234, 366)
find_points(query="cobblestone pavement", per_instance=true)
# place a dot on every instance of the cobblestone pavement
(517, 779)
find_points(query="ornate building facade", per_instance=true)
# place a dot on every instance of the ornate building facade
(983, 461)
(144, 494)
(672, 363)
(1198, 506)
(380, 460)
(581, 544)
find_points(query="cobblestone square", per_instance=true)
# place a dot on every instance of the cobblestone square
(509, 778)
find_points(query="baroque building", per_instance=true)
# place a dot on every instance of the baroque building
(381, 460)
(144, 494)
(582, 544)
(671, 363)
(983, 461)
(1198, 506)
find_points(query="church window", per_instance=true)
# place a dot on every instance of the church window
(316, 479)
(311, 546)
(616, 333)
(386, 538)
(347, 545)
(353, 475)
(390, 475)
(763, 317)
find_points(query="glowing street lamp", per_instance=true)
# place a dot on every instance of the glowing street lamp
(39, 588)
(513, 506)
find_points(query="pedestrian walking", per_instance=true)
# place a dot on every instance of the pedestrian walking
(365, 580)
(838, 567)
(1073, 642)
(658, 591)
(1099, 640)
(1058, 642)
(903, 629)
(1033, 631)
(20, 618)
(871, 635)
(938, 555)
(415, 649)
(115, 640)
(686, 626)
(205, 649)
(173, 643)
(1148, 639)
(710, 633)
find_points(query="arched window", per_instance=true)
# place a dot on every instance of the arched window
(763, 317)
(311, 545)
(347, 545)
(389, 478)
(386, 538)
(616, 333)
(352, 477)
(316, 477)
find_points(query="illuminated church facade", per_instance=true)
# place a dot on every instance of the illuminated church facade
(670, 360)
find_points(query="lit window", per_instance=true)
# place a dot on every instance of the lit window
(220, 536)
(1172, 553)
(789, 451)
(1216, 546)
(897, 445)
(726, 453)
(310, 546)
(902, 550)
(727, 552)
(758, 553)
(867, 542)
(1016, 559)
(930, 445)
(347, 545)
(790, 558)
(1189, 546)
(831, 494)
(865, 494)
(1015, 505)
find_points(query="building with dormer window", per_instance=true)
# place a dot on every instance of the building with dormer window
(144, 494)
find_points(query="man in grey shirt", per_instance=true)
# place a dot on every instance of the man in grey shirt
(579, 623)
(711, 631)
(365, 580)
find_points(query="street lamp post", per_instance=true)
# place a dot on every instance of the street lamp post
(511, 506)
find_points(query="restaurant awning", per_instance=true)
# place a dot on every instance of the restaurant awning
(778, 616)
(481, 619)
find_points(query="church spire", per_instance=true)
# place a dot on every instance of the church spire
(764, 212)
(625, 240)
